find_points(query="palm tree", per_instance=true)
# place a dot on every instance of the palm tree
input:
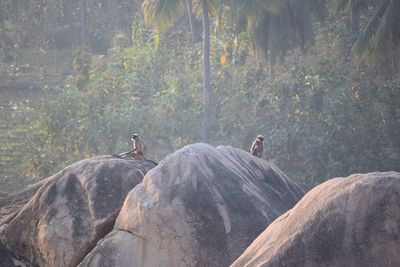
(208, 117)
(5, 41)
(379, 41)
(192, 22)
(164, 13)
(276, 25)
(381, 36)
(84, 26)
(355, 7)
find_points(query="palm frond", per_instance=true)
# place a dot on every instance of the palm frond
(342, 5)
(396, 22)
(272, 6)
(319, 9)
(364, 43)
(380, 44)
(360, 5)
(303, 24)
(162, 13)
(212, 8)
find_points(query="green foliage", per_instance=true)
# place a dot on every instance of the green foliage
(141, 89)
(164, 12)
(276, 27)
(321, 117)
(381, 36)
(378, 41)
(81, 65)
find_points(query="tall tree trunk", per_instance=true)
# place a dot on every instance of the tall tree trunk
(192, 22)
(84, 21)
(272, 39)
(355, 28)
(206, 73)
(357, 65)
(271, 63)
(5, 41)
(394, 54)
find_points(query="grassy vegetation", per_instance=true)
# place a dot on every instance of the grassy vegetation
(16, 110)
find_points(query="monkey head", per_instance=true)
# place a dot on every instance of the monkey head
(134, 136)
(260, 138)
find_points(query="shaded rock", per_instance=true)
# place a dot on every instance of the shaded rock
(7, 260)
(58, 220)
(353, 221)
(10, 203)
(5, 257)
(201, 206)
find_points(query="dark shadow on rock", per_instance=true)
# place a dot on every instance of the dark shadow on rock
(201, 206)
(57, 221)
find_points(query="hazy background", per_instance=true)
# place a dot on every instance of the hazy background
(319, 79)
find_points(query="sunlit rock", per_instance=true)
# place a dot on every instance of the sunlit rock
(201, 206)
(353, 221)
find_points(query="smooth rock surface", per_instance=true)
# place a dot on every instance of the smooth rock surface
(201, 206)
(353, 221)
(58, 220)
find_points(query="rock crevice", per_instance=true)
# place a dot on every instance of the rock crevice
(57, 221)
(201, 206)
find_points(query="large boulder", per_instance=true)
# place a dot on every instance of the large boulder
(201, 206)
(6, 259)
(353, 221)
(58, 220)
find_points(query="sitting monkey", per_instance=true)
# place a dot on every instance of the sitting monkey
(257, 148)
(139, 147)
(139, 150)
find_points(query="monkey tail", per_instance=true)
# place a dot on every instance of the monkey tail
(122, 155)
(150, 160)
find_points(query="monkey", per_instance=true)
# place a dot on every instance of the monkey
(139, 150)
(257, 148)
(139, 146)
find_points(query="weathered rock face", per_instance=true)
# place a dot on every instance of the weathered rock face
(353, 221)
(57, 221)
(202, 206)
(5, 258)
